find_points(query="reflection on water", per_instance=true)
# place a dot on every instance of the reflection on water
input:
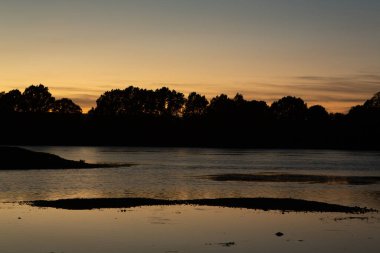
(182, 229)
(179, 173)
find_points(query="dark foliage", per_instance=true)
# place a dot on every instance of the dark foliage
(66, 106)
(10, 102)
(164, 117)
(37, 99)
(135, 101)
(195, 106)
(317, 114)
(289, 109)
(374, 102)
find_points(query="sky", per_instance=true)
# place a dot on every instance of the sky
(325, 51)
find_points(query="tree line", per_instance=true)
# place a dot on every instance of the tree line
(35, 99)
(165, 117)
(134, 101)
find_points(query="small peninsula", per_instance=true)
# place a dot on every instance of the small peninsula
(15, 158)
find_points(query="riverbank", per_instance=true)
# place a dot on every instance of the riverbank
(15, 158)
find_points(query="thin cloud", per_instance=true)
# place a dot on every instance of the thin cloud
(74, 89)
(85, 101)
(357, 83)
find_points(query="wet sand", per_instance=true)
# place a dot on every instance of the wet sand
(280, 204)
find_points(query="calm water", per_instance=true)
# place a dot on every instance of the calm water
(177, 173)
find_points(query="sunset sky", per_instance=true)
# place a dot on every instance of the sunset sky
(326, 51)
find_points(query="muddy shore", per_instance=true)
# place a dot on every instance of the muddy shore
(266, 204)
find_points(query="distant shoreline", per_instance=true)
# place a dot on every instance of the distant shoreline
(266, 204)
(15, 158)
(218, 147)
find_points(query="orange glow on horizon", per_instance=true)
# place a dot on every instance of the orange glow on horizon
(326, 53)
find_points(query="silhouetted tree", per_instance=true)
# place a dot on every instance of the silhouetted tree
(196, 105)
(135, 101)
(10, 102)
(169, 102)
(246, 110)
(317, 114)
(239, 100)
(374, 102)
(368, 113)
(132, 101)
(289, 108)
(158, 117)
(337, 117)
(66, 106)
(37, 99)
(221, 105)
(149, 99)
(356, 110)
(257, 111)
(111, 103)
(91, 112)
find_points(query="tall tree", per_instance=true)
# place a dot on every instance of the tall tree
(317, 113)
(368, 113)
(289, 108)
(221, 106)
(110, 103)
(257, 111)
(169, 102)
(374, 102)
(37, 99)
(10, 102)
(66, 106)
(195, 105)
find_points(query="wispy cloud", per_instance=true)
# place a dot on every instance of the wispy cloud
(85, 101)
(362, 84)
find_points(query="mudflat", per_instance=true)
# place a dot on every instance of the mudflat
(280, 204)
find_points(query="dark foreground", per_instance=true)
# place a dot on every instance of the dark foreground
(14, 158)
(266, 204)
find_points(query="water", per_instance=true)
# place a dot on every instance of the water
(179, 173)
(181, 229)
